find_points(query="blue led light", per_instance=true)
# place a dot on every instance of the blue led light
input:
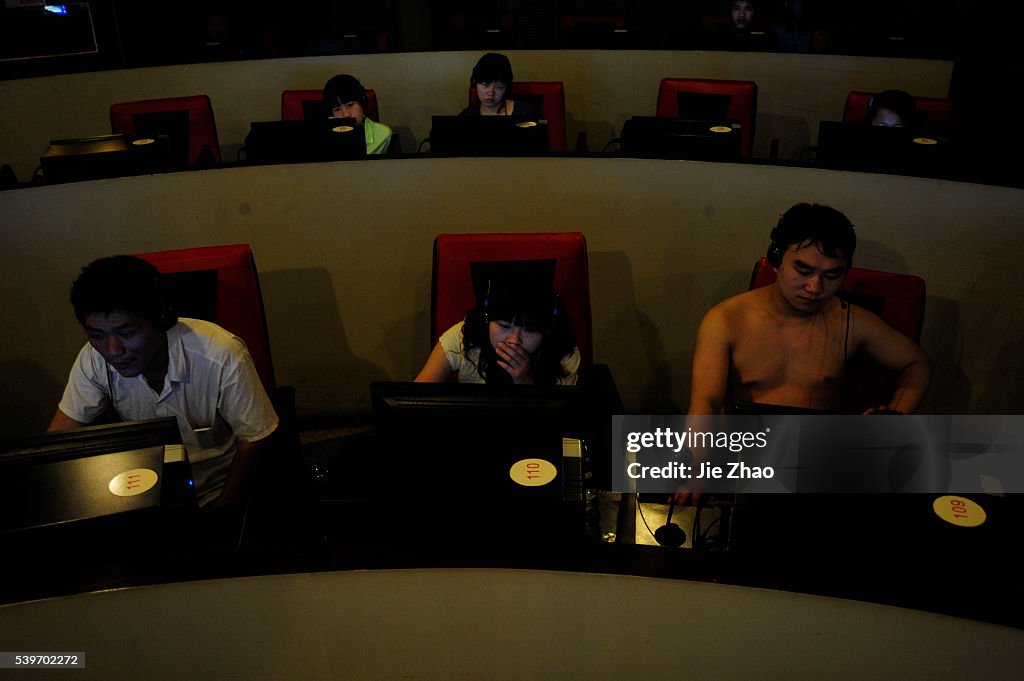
(56, 9)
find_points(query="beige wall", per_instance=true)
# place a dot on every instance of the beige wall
(603, 89)
(497, 624)
(344, 252)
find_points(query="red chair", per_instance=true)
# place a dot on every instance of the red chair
(220, 284)
(551, 96)
(937, 112)
(190, 116)
(453, 293)
(897, 298)
(742, 102)
(292, 104)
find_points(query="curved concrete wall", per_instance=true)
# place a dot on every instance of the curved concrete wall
(344, 252)
(603, 88)
(498, 624)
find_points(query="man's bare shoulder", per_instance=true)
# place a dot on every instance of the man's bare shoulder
(739, 307)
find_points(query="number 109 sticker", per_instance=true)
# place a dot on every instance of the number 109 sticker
(959, 511)
(532, 472)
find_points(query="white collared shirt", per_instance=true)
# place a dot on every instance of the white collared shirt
(211, 388)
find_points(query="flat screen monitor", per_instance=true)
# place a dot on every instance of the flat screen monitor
(498, 462)
(487, 136)
(103, 156)
(96, 471)
(703, 106)
(170, 124)
(402, 409)
(305, 141)
(853, 146)
(479, 430)
(681, 138)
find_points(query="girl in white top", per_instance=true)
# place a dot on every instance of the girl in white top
(520, 334)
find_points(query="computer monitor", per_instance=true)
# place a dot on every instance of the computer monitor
(703, 106)
(104, 470)
(405, 408)
(681, 138)
(853, 146)
(487, 136)
(305, 141)
(496, 462)
(103, 156)
(174, 125)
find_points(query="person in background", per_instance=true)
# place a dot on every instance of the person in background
(742, 14)
(892, 109)
(492, 80)
(345, 97)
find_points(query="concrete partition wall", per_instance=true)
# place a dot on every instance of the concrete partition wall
(602, 88)
(497, 624)
(344, 253)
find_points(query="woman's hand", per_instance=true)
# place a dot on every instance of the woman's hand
(515, 360)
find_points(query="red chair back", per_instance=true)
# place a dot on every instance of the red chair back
(201, 128)
(291, 104)
(938, 112)
(552, 107)
(897, 298)
(239, 302)
(742, 102)
(452, 293)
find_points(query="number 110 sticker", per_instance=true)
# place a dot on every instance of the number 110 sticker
(532, 472)
(959, 511)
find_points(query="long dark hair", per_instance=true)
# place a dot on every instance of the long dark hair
(526, 303)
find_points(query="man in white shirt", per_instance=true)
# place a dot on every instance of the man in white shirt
(143, 362)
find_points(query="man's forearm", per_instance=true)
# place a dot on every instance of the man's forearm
(240, 474)
(911, 387)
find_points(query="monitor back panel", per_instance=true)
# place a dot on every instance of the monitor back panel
(853, 146)
(305, 141)
(487, 136)
(677, 138)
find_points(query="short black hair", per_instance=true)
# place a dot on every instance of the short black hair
(120, 283)
(814, 223)
(491, 67)
(342, 89)
(901, 103)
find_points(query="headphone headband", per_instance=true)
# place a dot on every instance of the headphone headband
(556, 303)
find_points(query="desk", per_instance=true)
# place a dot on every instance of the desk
(289, 603)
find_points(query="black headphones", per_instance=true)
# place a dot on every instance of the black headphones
(167, 316)
(774, 254)
(556, 304)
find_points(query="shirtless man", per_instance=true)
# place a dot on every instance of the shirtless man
(787, 343)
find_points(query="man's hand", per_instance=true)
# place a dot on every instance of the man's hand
(882, 409)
